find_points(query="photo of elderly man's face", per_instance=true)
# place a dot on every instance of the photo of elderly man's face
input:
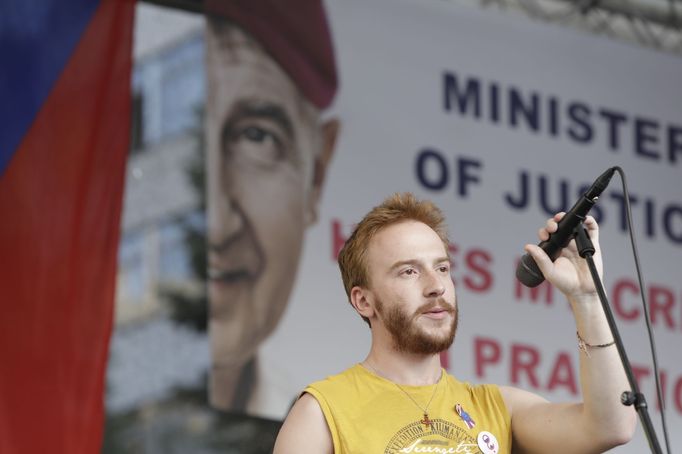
(267, 152)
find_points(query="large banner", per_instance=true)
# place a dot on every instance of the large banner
(502, 123)
(314, 116)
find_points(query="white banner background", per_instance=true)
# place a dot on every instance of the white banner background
(392, 57)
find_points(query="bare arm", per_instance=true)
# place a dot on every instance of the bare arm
(600, 422)
(305, 430)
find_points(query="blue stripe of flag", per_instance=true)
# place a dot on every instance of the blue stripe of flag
(37, 38)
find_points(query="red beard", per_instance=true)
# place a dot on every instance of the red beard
(407, 334)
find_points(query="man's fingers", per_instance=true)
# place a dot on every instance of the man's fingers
(552, 224)
(543, 234)
(540, 257)
(550, 227)
(592, 228)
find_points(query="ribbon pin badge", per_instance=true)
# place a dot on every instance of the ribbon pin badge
(465, 416)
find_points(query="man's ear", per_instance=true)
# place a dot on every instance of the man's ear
(330, 131)
(361, 299)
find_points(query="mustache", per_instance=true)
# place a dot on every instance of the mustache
(439, 303)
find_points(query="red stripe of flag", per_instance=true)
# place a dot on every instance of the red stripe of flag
(60, 208)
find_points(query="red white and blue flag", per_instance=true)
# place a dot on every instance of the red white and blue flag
(64, 136)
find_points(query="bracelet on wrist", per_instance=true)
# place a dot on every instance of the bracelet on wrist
(583, 346)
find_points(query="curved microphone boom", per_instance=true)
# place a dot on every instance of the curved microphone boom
(527, 270)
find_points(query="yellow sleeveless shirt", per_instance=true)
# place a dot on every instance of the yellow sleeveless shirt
(368, 414)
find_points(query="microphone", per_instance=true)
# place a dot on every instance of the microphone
(528, 271)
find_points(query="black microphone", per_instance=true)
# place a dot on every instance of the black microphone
(528, 271)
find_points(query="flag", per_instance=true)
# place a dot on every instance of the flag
(64, 136)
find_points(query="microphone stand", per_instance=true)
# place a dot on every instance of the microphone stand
(633, 397)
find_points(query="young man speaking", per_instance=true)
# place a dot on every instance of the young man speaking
(396, 272)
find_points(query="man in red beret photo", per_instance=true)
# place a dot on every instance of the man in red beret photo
(271, 74)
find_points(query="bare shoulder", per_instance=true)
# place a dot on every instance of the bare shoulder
(305, 429)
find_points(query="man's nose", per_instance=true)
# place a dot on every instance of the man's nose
(433, 286)
(225, 219)
(224, 215)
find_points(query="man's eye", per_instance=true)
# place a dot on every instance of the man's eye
(256, 134)
(256, 144)
(409, 271)
(444, 269)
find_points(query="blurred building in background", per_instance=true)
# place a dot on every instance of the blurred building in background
(168, 95)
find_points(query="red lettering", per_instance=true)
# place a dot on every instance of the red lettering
(478, 261)
(661, 301)
(618, 303)
(338, 239)
(487, 351)
(563, 374)
(524, 370)
(476, 275)
(524, 358)
(663, 305)
(641, 372)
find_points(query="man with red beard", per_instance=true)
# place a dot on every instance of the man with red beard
(396, 272)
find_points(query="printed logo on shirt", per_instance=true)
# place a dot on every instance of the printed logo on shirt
(440, 437)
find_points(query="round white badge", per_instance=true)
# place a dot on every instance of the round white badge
(487, 443)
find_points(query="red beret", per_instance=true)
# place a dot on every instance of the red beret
(295, 33)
